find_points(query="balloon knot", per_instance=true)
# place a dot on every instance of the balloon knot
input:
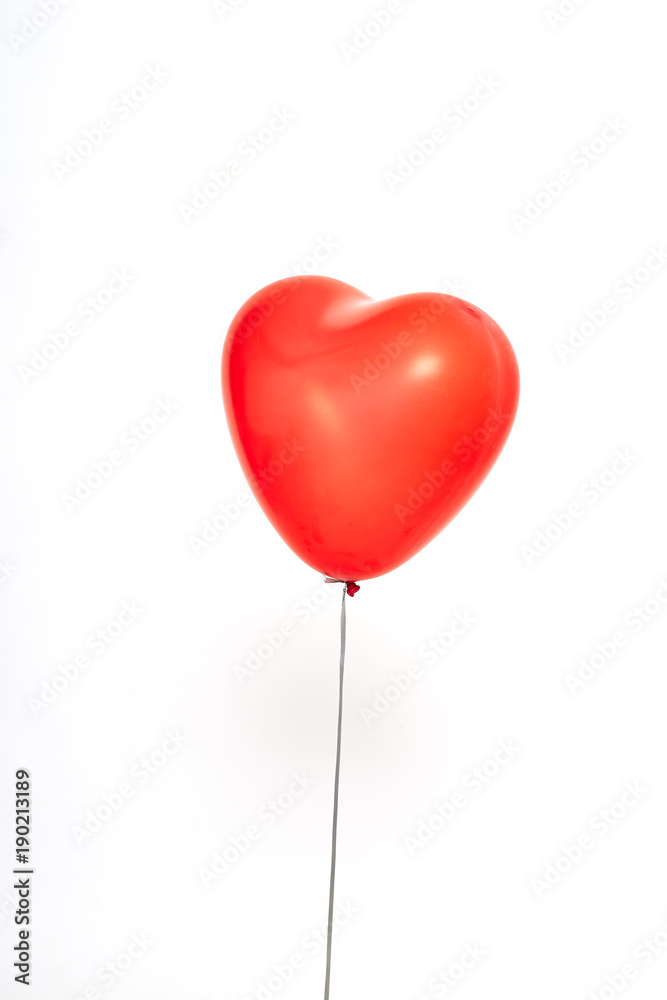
(350, 588)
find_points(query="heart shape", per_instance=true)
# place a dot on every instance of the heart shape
(363, 427)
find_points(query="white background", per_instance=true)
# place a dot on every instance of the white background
(449, 226)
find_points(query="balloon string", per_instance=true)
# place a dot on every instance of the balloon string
(347, 587)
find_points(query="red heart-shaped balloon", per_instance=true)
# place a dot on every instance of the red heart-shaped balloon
(363, 427)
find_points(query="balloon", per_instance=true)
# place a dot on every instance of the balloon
(363, 427)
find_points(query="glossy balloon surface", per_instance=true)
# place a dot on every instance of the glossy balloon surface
(363, 427)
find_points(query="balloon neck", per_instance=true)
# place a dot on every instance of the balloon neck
(350, 587)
